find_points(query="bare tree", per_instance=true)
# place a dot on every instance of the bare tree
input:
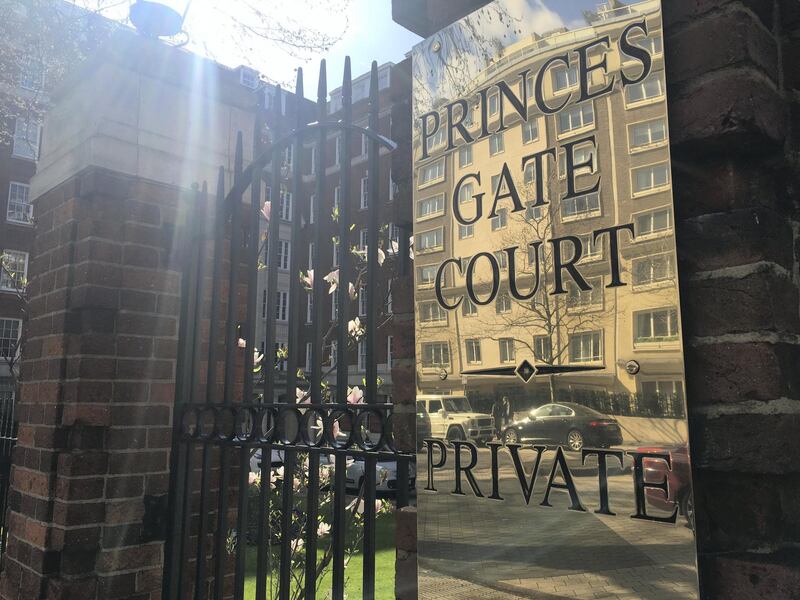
(18, 285)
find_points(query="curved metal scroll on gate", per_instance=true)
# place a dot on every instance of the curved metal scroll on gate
(221, 423)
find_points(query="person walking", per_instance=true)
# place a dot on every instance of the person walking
(497, 418)
(506, 412)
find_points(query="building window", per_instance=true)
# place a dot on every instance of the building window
(283, 255)
(580, 156)
(494, 104)
(14, 270)
(466, 193)
(662, 389)
(473, 347)
(542, 349)
(286, 204)
(264, 304)
(364, 144)
(312, 206)
(26, 139)
(309, 308)
(334, 355)
(580, 207)
(502, 259)
(334, 306)
(654, 45)
(507, 353)
(364, 192)
(362, 355)
(578, 298)
(564, 78)
(313, 168)
(430, 207)
(389, 297)
(436, 139)
(653, 222)
(653, 269)
(337, 193)
(336, 252)
(426, 276)
(465, 231)
(650, 178)
(652, 87)
(501, 220)
(532, 212)
(503, 304)
(592, 250)
(389, 351)
(363, 236)
(464, 156)
(288, 156)
(20, 209)
(429, 241)
(362, 301)
(575, 117)
(496, 144)
(647, 134)
(432, 312)
(468, 308)
(655, 326)
(392, 187)
(530, 131)
(432, 172)
(585, 347)
(9, 337)
(31, 75)
(282, 306)
(435, 354)
(310, 255)
(337, 151)
(308, 355)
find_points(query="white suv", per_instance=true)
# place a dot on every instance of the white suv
(452, 418)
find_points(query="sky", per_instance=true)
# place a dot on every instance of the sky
(369, 34)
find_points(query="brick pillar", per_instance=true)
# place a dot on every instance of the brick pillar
(87, 509)
(732, 72)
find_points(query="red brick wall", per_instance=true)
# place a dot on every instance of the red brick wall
(90, 481)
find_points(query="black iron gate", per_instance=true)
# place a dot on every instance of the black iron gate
(219, 520)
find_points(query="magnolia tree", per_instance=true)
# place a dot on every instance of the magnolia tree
(14, 281)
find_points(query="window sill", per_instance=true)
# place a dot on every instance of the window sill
(648, 147)
(652, 191)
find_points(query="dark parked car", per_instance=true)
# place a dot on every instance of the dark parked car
(566, 424)
(679, 479)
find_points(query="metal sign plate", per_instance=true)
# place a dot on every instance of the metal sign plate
(550, 381)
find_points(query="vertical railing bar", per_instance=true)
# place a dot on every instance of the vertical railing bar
(318, 312)
(231, 347)
(249, 362)
(345, 277)
(211, 377)
(372, 241)
(295, 292)
(312, 514)
(181, 456)
(372, 317)
(271, 261)
(262, 566)
(368, 588)
(289, 458)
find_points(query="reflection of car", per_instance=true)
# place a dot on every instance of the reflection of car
(567, 424)
(423, 422)
(385, 476)
(452, 418)
(679, 479)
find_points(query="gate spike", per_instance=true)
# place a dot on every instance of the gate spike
(322, 88)
(298, 87)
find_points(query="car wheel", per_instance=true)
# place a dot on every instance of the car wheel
(575, 440)
(510, 436)
(687, 509)
(455, 434)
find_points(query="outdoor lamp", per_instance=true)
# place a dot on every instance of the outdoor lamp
(159, 19)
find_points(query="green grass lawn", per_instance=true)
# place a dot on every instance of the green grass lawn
(384, 567)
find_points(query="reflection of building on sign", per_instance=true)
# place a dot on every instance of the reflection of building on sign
(549, 358)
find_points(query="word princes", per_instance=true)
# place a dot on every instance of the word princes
(431, 121)
(527, 484)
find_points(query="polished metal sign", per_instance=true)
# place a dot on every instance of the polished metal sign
(550, 381)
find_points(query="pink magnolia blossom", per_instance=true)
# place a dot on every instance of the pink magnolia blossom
(323, 529)
(355, 328)
(333, 279)
(394, 248)
(355, 395)
(308, 279)
(242, 343)
(266, 210)
(257, 357)
(352, 290)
